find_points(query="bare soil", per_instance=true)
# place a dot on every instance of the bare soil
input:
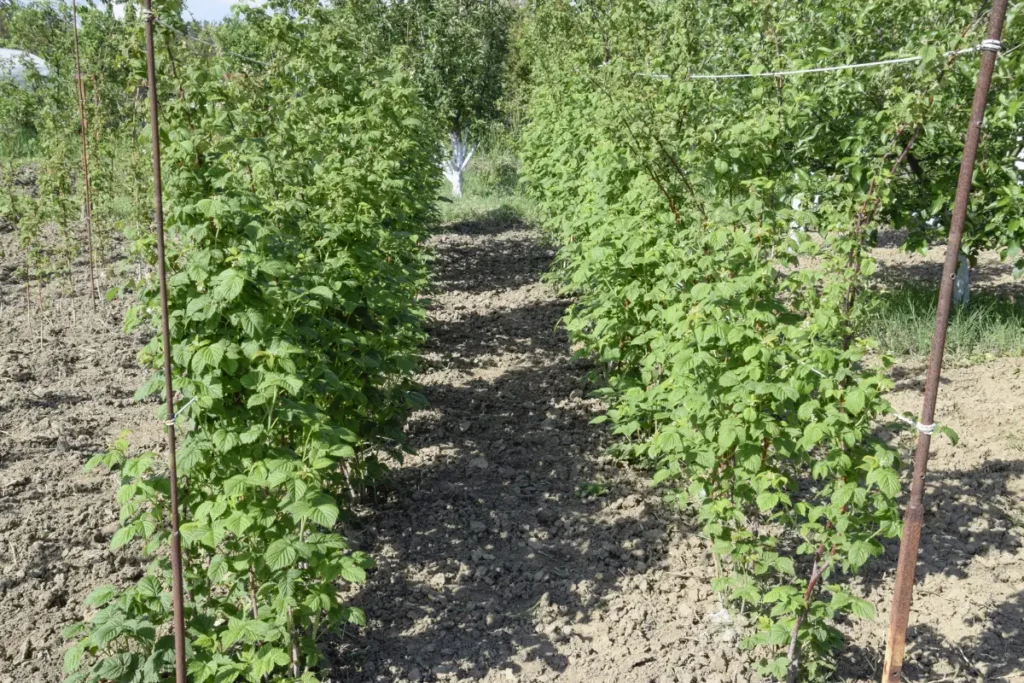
(495, 563)
(492, 565)
(67, 375)
(898, 267)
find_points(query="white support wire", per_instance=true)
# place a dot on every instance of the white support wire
(924, 429)
(985, 46)
(177, 413)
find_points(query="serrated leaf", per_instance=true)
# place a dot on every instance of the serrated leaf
(766, 500)
(280, 554)
(100, 596)
(854, 400)
(356, 616)
(353, 573)
(323, 511)
(228, 284)
(208, 356)
(887, 480)
(863, 609)
(859, 553)
(123, 536)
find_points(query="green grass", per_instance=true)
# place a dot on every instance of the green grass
(18, 149)
(990, 325)
(490, 187)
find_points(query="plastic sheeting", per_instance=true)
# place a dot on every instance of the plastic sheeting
(17, 64)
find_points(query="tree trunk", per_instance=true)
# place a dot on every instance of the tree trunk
(454, 167)
(962, 282)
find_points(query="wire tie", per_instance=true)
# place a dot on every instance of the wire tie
(924, 429)
(170, 422)
(813, 369)
(148, 15)
(990, 45)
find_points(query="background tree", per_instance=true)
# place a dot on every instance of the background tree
(459, 48)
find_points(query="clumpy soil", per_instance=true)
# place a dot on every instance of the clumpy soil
(511, 547)
(967, 621)
(492, 567)
(494, 563)
(67, 375)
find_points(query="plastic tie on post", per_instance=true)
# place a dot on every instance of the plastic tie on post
(990, 45)
(177, 414)
(924, 429)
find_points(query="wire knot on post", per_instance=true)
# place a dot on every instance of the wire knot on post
(924, 429)
(148, 15)
(990, 45)
(177, 414)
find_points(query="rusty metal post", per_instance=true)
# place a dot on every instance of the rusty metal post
(914, 519)
(84, 134)
(177, 595)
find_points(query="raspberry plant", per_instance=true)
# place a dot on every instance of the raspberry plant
(716, 236)
(296, 197)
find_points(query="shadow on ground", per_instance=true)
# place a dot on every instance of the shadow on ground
(492, 564)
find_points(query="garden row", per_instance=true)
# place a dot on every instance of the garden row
(302, 149)
(298, 186)
(716, 234)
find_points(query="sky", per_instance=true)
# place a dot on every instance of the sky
(203, 10)
(209, 10)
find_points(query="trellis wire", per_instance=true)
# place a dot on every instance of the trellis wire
(984, 46)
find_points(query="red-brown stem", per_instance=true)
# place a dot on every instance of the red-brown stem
(794, 643)
(914, 519)
(177, 596)
(83, 132)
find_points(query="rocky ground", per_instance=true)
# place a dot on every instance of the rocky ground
(511, 549)
(67, 375)
(495, 563)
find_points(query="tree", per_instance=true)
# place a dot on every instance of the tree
(459, 48)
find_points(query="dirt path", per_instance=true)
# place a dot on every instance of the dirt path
(491, 566)
(67, 376)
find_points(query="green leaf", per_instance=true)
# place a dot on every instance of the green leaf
(228, 284)
(806, 410)
(123, 537)
(73, 657)
(353, 573)
(356, 616)
(863, 609)
(322, 291)
(280, 554)
(767, 500)
(859, 553)
(854, 400)
(100, 596)
(785, 565)
(208, 356)
(887, 480)
(948, 433)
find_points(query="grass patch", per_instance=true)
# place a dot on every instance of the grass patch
(490, 188)
(18, 149)
(990, 325)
